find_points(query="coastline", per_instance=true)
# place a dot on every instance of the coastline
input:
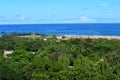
(66, 37)
(92, 36)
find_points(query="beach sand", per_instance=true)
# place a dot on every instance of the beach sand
(92, 37)
(77, 36)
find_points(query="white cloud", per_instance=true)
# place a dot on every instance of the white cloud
(86, 19)
(22, 17)
(71, 18)
(104, 5)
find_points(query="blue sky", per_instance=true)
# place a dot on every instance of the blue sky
(59, 11)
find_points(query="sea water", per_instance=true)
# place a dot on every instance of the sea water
(110, 29)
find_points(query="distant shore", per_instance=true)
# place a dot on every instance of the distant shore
(62, 36)
(92, 36)
(77, 36)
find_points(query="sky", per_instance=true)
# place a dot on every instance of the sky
(59, 11)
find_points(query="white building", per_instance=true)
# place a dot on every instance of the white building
(59, 37)
(6, 53)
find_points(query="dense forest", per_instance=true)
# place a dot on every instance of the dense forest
(54, 59)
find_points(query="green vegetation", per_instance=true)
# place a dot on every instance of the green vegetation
(53, 59)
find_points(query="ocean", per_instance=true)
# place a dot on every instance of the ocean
(109, 29)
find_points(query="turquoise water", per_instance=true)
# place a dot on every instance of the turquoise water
(66, 29)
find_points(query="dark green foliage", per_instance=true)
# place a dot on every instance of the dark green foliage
(53, 59)
(1, 53)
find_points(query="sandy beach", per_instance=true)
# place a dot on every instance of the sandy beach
(76, 36)
(92, 37)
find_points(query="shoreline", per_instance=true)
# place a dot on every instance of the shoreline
(68, 36)
(92, 36)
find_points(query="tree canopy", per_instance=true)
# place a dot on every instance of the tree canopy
(53, 59)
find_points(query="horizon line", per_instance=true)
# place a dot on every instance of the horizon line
(53, 23)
